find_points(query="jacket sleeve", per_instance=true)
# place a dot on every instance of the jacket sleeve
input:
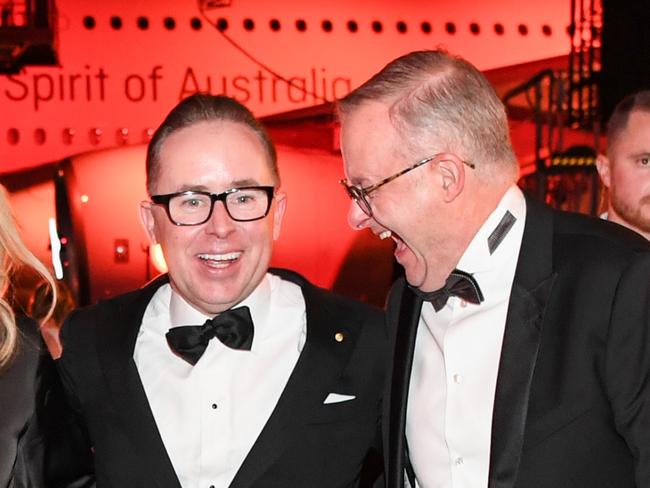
(52, 451)
(628, 363)
(69, 457)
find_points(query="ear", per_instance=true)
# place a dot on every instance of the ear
(148, 221)
(452, 174)
(603, 164)
(278, 213)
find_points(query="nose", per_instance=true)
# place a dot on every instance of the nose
(357, 219)
(220, 223)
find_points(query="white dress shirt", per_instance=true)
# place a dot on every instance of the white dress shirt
(455, 364)
(209, 415)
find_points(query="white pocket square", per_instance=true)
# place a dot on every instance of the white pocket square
(338, 398)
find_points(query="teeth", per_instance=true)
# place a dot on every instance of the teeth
(385, 235)
(231, 256)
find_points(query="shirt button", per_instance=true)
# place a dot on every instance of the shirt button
(214, 406)
(458, 379)
(458, 461)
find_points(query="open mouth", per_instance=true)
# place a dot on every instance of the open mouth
(220, 260)
(399, 243)
(400, 246)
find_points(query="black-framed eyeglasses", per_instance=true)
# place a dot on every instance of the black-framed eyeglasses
(195, 207)
(360, 195)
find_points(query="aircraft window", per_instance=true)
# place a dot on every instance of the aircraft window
(147, 134)
(122, 135)
(95, 135)
(546, 29)
(426, 27)
(301, 25)
(450, 27)
(196, 24)
(13, 136)
(40, 136)
(169, 23)
(275, 25)
(143, 23)
(116, 22)
(222, 24)
(327, 25)
(89, 22)
(377, 27)
(523, 29)
(498, 29)
(401, 27)
(474, 28)
(353, 26)
(67, 135)
(249, 25)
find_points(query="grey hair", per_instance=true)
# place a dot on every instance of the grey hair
(438, 98)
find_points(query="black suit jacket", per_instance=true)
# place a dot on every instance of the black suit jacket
(572, 401)
(305, 443)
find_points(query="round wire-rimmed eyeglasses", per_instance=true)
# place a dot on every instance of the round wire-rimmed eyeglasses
(360, 195)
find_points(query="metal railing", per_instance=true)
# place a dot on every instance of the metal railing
(584, 63)
(561, 174)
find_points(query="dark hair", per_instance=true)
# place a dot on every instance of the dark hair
(206, 108)
(618, 120)
(437, 95)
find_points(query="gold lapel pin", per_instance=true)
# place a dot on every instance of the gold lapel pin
(338, 337)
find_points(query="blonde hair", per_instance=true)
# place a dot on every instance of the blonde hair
(13, 255)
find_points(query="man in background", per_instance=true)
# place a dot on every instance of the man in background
(625, 169)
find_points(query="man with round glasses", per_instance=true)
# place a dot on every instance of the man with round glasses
(221, 373)
(520, 335)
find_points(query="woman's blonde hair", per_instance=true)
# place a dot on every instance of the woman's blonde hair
(13, 255)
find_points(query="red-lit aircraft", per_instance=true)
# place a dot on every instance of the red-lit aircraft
(75, 133)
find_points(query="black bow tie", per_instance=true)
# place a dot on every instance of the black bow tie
(459, 284)
(233, 327)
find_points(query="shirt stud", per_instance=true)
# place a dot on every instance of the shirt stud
(338, 337)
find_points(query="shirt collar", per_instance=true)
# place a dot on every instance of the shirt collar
(477, 256)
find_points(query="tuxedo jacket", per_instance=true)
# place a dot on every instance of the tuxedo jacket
(305, 443)
(572, 400)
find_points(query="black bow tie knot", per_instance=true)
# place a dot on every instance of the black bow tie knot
(234, 328)
(459, 284)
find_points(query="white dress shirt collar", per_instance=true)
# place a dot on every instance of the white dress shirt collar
(477, 257)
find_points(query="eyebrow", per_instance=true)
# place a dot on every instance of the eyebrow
(244, 182)
(233, 184)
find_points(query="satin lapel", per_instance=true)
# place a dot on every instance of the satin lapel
(115, 345)
(404, 340)
(531, 288)
(319, 365)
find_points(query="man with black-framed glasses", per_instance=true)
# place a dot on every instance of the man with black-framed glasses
(520, 334)
(220, 373)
